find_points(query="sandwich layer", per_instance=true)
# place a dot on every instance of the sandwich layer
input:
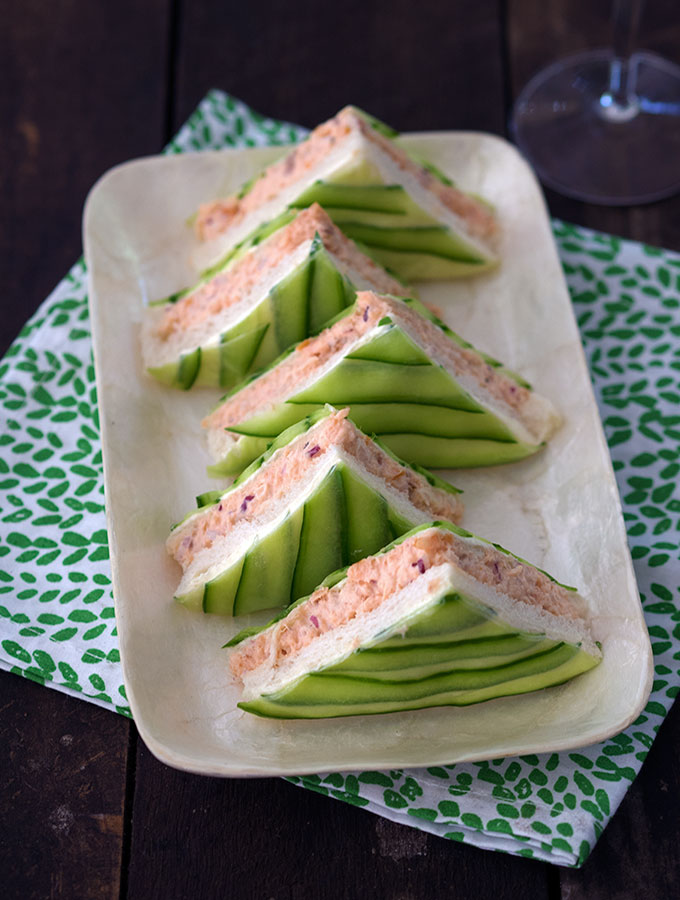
(322, 496)
(410, 216)
(243, 315)
(439, 618)
(428, 394)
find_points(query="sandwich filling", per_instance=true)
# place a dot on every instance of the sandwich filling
(225, 298)
(333, 150)
(371, 582)
(505, 395)
(259, 498)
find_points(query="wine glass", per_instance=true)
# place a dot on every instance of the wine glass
(604, 126)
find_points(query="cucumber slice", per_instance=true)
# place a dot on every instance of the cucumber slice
(280, 417)
(323, 695)
(422, 660)
(268, 568)
(445, 453)
(392, 346)
(451, 617)
(289, 304)
(220, 593)
(237, 353)
(332, 291)
(367, 381)
(427, 240)
(324, 515)
(391, 199)
(432, 421)
(367, 516)
(243, 452)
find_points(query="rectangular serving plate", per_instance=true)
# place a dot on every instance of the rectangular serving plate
(560, 509)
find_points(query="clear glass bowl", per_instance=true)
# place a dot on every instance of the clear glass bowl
(587, 142)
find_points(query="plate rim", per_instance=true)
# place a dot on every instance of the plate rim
(187, 762)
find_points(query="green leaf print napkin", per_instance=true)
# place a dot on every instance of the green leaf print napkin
(57, 622)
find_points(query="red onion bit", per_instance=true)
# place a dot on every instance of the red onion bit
(314, 621)
(497, 570)
(421, 565)
(365, 316)
(314, 450)
(246, 501)
(219, 508)
(289, 165)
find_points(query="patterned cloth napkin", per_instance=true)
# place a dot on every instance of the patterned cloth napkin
(57, 622)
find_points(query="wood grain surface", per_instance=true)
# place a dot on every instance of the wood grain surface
(87, 811)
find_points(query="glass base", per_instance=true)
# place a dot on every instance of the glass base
(584, 144)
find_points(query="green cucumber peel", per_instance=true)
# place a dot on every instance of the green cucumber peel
(377, 124)
(324, 513)
(424, 661)
(470, 438)
(248, 185)
(181, 373)
(371, 198)
(209, 498)
(188, 369)
(386, 419)
(461, 677)
(322, 696)
(453, 652)
(430, 240)
(458, 453)
(431, 168)
(269, 567)
(255, 375)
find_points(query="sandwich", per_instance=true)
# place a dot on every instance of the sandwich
(323, 495)
(438, 618)
(409, 215)
(428, 394)
(278, 288)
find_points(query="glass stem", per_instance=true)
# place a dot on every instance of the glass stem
(621, 92)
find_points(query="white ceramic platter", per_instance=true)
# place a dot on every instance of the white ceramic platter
(559, 509)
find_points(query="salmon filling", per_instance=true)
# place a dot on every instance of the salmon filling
(291, 463)
(217, 217)
(310, 356)
(234, 284)
(373, 580)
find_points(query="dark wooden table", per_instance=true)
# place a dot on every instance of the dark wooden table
(86, 810)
